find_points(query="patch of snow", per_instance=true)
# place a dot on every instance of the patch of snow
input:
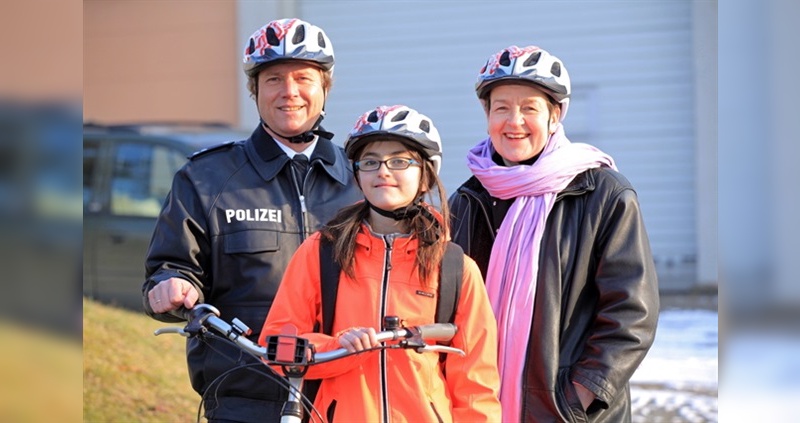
(684, 352)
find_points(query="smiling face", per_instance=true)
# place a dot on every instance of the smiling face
(520, 119)
(389, 189)
(290, 97)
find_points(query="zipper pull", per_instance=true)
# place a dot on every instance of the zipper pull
(389, 240)
(303, 227)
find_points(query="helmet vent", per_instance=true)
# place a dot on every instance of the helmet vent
(400, 116)
(504, 60)
(299, 35)
(533, 59)
(373, 117)
(425, 126)
(272, 38)
(287, 39)
(556, 69)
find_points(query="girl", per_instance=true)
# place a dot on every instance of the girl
(390, 247)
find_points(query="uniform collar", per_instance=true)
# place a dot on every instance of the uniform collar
(308, 151)
(269, 158)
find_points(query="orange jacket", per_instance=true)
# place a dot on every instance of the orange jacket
(397, 385)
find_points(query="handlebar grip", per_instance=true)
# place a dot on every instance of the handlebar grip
(440, 332)
(201, 312)
(196, 318)
(183, 312)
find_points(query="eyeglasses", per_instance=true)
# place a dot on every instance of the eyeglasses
(394, 163)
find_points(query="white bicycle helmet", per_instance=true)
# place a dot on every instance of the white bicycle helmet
(397, 121)
(528, 64)
(288, 39)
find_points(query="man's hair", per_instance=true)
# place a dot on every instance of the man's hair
(252, 78)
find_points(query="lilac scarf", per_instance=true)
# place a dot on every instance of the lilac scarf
(514, 263)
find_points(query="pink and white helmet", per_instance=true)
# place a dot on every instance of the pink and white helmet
(288, 39)
(397, 121)
(527, 65)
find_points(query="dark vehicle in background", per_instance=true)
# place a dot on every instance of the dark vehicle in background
(127, 173)
(40, 214)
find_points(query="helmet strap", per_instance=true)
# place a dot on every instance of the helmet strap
(402, 213)
(409, 212)
(304, 137)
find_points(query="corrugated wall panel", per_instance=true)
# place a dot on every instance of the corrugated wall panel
(630, 63)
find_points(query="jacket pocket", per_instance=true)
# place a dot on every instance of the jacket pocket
(568, 402)
(250, 242)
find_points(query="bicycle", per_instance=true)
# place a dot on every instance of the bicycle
(294, 354)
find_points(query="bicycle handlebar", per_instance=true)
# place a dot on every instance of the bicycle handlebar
(205, 316)
(439, 332)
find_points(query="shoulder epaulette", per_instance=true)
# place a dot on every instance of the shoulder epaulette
(207, 150)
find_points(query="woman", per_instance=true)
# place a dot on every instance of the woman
(390, 247)
(558, 234)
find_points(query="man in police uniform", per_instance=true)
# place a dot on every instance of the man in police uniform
(237, 212)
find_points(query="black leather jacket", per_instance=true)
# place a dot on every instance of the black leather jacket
(230, 224)
(596, 305)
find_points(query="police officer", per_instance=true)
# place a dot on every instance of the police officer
(237, 212)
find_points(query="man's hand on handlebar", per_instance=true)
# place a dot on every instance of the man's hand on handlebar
(358, 339)
(172, 293)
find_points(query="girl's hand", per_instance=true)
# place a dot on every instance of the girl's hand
(358, 339)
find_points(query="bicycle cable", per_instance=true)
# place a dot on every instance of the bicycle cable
(255, 367)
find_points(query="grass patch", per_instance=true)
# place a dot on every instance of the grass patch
(130, 375)
(39, 375)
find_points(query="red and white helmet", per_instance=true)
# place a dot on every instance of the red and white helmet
(527, 65)
(397, 121)
(288, 39)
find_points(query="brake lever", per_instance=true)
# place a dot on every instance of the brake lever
(440, 349)
(413, 343)
(171, 329)
(193, 328)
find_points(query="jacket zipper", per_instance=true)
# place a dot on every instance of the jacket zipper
(387, 267)
(306, 227)
(435, 412)
(303, 209)
(304, 212)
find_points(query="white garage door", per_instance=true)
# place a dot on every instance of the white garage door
(630, 63)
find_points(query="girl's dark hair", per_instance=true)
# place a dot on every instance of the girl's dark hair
(431, 232)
